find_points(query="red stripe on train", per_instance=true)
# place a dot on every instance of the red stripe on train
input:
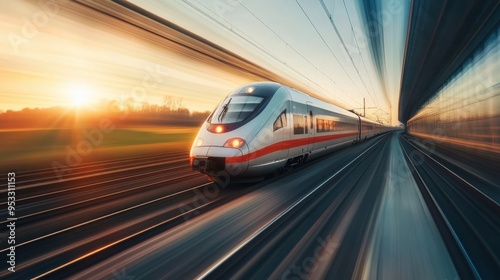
(286, 145)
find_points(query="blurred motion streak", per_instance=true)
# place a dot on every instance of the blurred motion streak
(67, 65)
(464, 112)
(105, 51)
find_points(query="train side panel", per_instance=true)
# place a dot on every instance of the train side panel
(269, 147)
(329, 127)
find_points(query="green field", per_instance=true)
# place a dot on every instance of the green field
(40, 146)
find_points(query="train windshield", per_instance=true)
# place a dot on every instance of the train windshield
(235, 108)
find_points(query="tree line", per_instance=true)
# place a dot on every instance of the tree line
(170, 112)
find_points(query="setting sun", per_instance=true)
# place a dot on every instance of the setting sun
(80, 95)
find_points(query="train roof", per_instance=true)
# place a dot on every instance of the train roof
(267, 89)
(262, 89)
(303, 97)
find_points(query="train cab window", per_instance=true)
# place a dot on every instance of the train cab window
(235, 109)
(299, 124)
(280, 121)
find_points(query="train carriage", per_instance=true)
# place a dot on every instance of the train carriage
(263, 128)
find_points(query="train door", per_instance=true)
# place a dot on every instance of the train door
(310, 130)
(359, 129)
(300, 132)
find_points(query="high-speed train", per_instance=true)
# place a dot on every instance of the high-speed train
(266, 128)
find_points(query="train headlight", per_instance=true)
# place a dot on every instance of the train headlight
(219, 129)
(234, 143)
(250, 89)
(199, 142)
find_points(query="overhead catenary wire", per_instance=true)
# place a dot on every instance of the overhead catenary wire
(289, 45)
(359, 50)
(242, 35)
(328, 46)
(245, 37)
(344, 46)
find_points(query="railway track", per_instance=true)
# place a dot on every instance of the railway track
(99, 204)
(232, 263)
(153, 213)
(46, 176)
(242, 196)
(467, 218)
(106, 249)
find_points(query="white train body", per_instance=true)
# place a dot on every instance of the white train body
(263, 128)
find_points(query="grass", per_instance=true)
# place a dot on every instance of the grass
(20, 147)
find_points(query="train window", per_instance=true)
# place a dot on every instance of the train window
(283, 118)
(277, 124)
(280, 121)
(236, 109)
(319, 125)
(323, 125)
(367, 127)
(299, 126)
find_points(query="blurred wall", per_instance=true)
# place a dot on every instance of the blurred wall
(465, 111)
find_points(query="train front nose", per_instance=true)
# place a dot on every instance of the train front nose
(215, 161)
